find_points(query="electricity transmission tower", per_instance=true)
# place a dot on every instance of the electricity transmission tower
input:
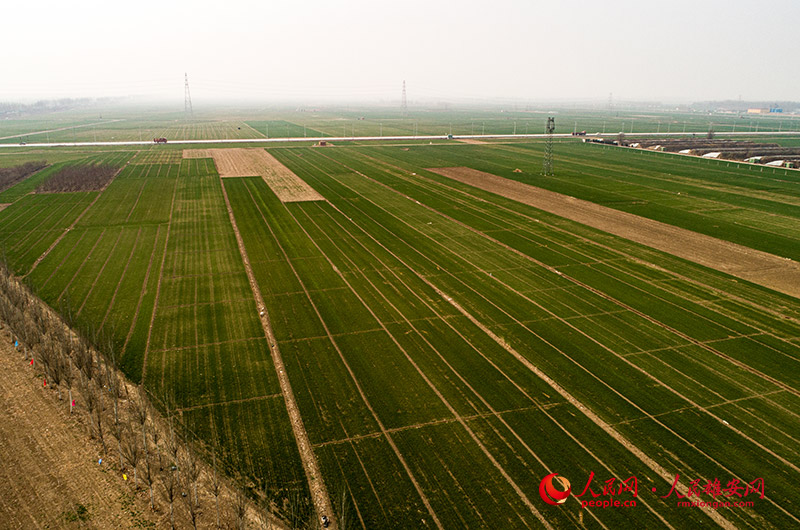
(404, 103)
(187, 99)
(547, 165)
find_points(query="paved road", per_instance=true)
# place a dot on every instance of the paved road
(384, 138)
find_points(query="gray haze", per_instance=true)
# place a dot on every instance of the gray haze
(363, 50)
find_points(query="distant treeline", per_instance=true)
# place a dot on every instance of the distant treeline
(79, 178)
(9, 109)
(11, 175)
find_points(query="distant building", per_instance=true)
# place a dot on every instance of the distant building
(758, 111)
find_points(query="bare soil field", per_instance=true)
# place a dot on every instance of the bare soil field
(243, 162)
(197, 153)
(472, 141)
(49, 471)
(49, 467)
(762, 268)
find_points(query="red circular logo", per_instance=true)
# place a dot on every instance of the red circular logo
(548, 491)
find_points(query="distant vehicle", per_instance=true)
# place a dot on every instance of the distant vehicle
(582, 133)
(160, 140)
(23, 143)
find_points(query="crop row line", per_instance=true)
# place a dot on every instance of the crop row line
(356, 383)
(99, 273)
(200, 304)
(158, 284)
(316, 483)
(466, 417)
(228, 402)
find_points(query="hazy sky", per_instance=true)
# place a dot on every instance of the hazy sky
(363, 50)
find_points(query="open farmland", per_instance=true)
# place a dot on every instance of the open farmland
(446, 347)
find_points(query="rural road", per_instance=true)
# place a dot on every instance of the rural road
(379, 138)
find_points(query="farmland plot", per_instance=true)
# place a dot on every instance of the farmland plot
(458, 380)
(446, 347)
(594, 347)
(206, 350)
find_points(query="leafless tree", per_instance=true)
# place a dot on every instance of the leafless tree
(141, 412)
(91, 398)
(191, 507)
(170, 484)
(216, 485)
(78, 178)
(240, 510)
(149, 468)
(11, 175)
(191, 468)
(99, 411)
(133, 453)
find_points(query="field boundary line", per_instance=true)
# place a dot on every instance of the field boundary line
(100, 272)
(57, 212)
(83, 263)
(316, 482)
(740, 261)
(229, 402)
(158, 284)
(59, 238)
(335, 345)
(136, 202)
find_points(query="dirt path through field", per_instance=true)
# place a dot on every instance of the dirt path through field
(764, 269)
(316, 483)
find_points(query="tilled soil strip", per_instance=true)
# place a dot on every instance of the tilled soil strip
(316, 484)
(762, 268)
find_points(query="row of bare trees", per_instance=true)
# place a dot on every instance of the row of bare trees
(122, 418)
(11, 175)
(79, 178)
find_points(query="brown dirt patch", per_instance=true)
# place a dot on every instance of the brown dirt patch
(197, 153)
(49, 466)
(471, 141)
(762, 268)
(242, 162)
